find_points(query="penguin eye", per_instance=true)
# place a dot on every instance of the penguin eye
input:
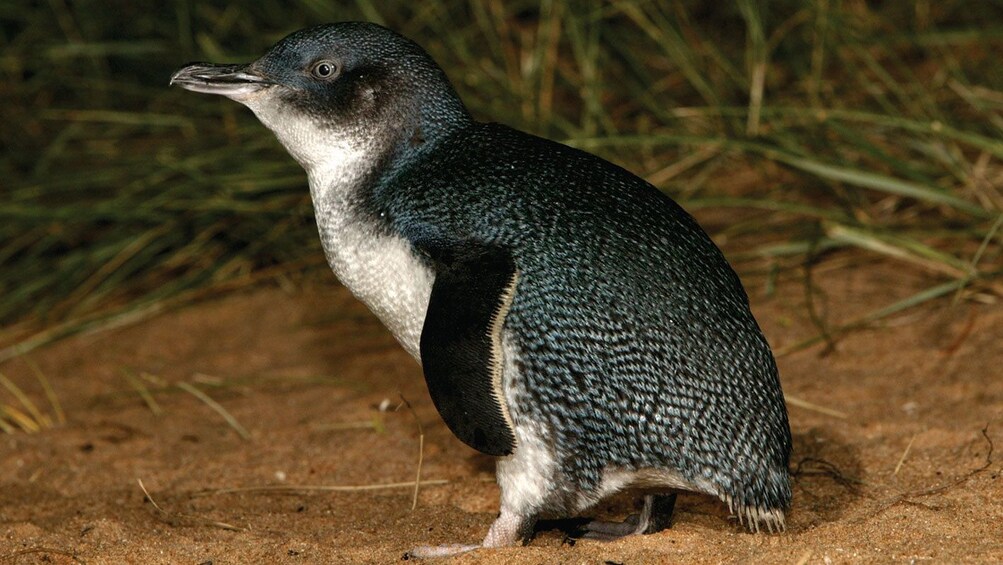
(325, 70)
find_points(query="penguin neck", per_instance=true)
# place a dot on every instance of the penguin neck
(351, 167)
(415, 121)
(344, 162)
(355, 164)
(413, 143)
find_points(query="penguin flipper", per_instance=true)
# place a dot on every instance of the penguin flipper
(461, 344)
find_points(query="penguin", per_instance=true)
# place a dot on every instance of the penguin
(570, 319)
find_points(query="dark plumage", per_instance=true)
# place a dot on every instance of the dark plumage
(638, 345)
(582, 325)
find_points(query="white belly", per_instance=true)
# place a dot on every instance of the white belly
(382, 272)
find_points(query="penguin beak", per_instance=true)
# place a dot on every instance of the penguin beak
(233, 81)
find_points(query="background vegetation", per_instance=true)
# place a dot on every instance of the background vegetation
(799, 131)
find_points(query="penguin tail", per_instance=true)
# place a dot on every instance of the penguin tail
(757, 518)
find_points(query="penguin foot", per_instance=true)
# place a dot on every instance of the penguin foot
(508, 529)
(655, 516)
(437, 551)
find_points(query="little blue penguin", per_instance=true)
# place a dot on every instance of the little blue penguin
(570, 319)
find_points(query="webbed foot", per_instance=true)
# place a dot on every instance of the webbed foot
(436, 551)
(655, 516)
(507, 530)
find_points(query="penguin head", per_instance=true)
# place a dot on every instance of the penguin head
(351, 85)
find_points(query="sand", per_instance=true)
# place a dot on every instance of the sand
(895, 467)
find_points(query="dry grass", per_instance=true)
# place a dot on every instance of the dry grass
(19, 412)
(831, 128)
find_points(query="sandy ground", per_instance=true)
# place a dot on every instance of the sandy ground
(905, 476)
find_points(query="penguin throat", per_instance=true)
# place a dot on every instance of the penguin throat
(335, 159)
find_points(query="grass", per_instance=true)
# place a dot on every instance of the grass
(19, 412)
(833, 127)
(217, 407)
